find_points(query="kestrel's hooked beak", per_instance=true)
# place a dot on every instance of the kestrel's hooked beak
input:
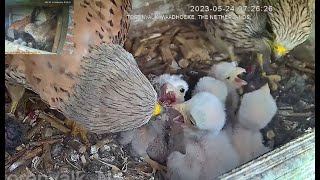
(278, 51)
(158, 109)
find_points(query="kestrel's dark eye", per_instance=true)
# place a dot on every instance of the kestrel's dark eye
(228, 77)
(182, 90)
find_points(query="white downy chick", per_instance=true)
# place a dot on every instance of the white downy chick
(257, 108)
(18, 41)
(228, 73)
(23, 43)
(248, 144)
(171, 88)
(213, 86)
(148, 141)
(186, 166)
(205, 157)
(256, 111)
(204, 110)
(207, 153)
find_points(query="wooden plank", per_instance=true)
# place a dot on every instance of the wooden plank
(57, 37)
(294, 160)
(64, 28)
(13, 48)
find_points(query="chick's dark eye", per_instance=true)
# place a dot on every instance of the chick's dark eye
(228, 77)
(182, 90)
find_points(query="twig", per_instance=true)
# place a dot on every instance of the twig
(74, 166)
(297, 67)
(139, 50)
(307, 114)
(153, 36)
(114, 169)
(46, 141)
(285, 108)
(47, 160)
(54, 123)
(16, 156)
(309, 107)
(155, 68)
(34, 129)
(310, 65)
(28, 155)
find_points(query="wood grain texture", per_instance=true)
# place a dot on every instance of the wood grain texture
(13, 48)
(294, 160)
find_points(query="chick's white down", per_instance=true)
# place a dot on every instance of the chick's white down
(205, 111)
(228, 72)
(207, 151)
(213, 86)
(149, 140)
(206, 157)
(173, 83)
(247, 143)
(257, 109)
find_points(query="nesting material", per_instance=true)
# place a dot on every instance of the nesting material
(176, 48)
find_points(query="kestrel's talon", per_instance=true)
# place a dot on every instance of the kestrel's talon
(16, 92)
(77, 129)
(273, 80)
(260, 59)
(156, 166)
(13, 107)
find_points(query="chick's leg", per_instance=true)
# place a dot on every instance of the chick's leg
(233, 103)
(155, 165)
(77, 129)
(273, 79)
(16, 92)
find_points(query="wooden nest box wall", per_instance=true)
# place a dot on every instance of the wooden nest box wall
(46, 41)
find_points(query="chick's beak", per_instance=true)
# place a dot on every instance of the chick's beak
(167, 88)
(167, 95)
(239, 82)
(163, 89)
(182, 118)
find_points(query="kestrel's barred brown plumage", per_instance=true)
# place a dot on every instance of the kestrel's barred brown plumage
(279, 28)
(100, 86)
